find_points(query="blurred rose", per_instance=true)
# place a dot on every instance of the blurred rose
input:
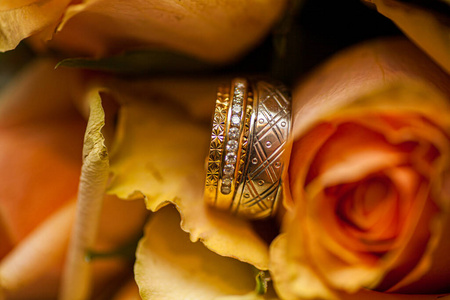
(41, 135)
(370, 178)
(212, 30)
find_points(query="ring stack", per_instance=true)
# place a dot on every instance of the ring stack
(249, 148)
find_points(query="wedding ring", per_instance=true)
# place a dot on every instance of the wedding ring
(249, 148)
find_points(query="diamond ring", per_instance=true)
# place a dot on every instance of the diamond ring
(249, 148)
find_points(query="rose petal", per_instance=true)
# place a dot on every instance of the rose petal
(36, 115)
(213, 30)
(433, 270)
(160, 153)
(11, 4)
(334, 164)
(368, 67)
(293, 276)
(91, 189)
(301, 162)
(176, 268)
(40, 252)
(427, 29)
(113, 234)
(20, 20)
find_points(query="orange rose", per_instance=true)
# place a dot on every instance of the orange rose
(370, 178)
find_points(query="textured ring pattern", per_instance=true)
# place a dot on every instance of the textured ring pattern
(249, 149)
(216, 143)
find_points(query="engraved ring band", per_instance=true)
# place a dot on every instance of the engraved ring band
(249, 148)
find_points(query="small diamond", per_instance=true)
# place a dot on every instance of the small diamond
(230, 158)
(228, 170)
(226, 190)
(232, 146)
(254, 161)
(226, 181)
(234, 133)
(237, 99)
(239, 85)
(237, 109)
(268, 144)
(235, 120)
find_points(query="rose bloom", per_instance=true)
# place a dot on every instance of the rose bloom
(216, 31)
(369, 179)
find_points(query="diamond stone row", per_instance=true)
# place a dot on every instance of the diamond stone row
(245, 133)
(232, 146)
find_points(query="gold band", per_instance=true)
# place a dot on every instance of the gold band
(249, 148)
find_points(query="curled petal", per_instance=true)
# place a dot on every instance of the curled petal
(21, 19)
(94, 177)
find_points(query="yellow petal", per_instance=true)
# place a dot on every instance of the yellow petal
(160, 153)
(20, 20)
(213, 30)
(12, 4)
(94, 176)
(430, 31)
(293, 277)
(175, 268)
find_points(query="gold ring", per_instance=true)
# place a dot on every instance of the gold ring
(249, 148)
